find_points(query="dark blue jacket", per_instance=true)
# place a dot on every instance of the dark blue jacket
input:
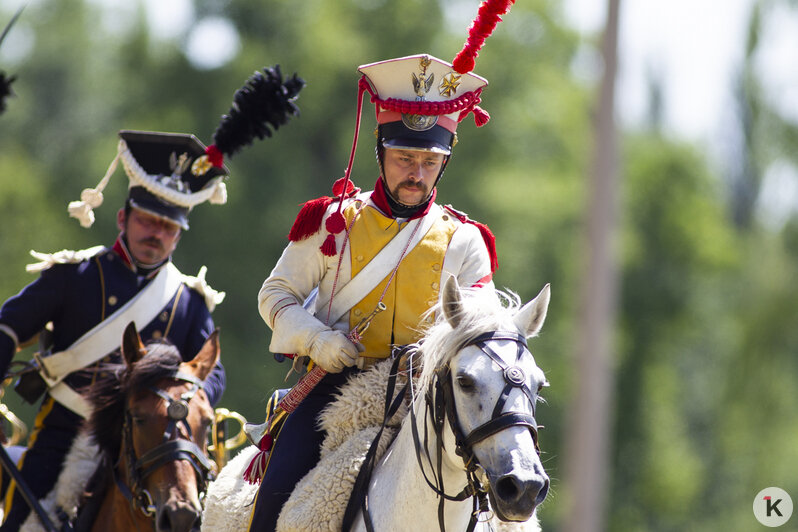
(76, 297)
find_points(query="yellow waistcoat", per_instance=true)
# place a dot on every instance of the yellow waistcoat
(415, 286)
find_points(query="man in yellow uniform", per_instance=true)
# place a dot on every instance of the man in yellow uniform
(393, 245)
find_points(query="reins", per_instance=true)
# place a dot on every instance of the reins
(360, 491)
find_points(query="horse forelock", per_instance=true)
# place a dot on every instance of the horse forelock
(108, 396)
(481, 310)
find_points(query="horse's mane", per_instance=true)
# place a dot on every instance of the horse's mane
(108, 395)
(482, 310)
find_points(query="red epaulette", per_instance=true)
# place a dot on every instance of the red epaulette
(487, 236)
(308, 221)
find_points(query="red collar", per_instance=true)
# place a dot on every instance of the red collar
(120, 249)
(381, 201)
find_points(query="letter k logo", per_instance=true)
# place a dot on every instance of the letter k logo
(772, 506)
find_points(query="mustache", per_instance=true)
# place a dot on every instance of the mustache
(412, 184)
(152, 240)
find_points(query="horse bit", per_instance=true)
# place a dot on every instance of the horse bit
(173, 447)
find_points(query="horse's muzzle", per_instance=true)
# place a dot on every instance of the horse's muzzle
(177, 517)
(515, 499)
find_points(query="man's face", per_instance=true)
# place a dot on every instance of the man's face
(411, 174)
(150, 239)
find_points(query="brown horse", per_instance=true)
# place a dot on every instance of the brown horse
(151, 421)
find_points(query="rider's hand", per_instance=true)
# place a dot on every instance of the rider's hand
(333, 351)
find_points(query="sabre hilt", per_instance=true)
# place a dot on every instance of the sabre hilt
(358, 330)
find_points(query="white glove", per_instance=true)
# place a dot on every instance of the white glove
(332, 350)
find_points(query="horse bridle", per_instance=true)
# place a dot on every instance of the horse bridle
(514, 377)
(440, 405)
(440, 395)
(173, 447)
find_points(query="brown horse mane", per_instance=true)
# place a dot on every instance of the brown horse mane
(108, 395)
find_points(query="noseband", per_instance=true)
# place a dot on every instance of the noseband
(173, 447)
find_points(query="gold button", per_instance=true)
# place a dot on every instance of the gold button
(445, 217)
(359, 258)
(436, 267)
(164, 316)
(358, 203)
(112, 300)
(434, 286)
(358, 312)
(156, 335)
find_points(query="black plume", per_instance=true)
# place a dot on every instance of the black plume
(265, 100)
(5, 81)
(5, 89)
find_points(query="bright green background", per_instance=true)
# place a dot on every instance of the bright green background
(707, 376)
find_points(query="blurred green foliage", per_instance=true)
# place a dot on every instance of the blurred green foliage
(707, 375)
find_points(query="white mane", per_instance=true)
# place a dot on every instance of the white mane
(482, 310)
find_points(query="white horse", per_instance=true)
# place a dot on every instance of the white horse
(471, 435)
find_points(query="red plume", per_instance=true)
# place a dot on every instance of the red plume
(488, 16)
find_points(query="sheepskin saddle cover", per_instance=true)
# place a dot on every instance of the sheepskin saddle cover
(352, 422)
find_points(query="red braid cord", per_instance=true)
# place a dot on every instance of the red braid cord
(467, 103)
(336, 222)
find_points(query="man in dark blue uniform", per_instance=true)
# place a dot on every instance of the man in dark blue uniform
(83, 295)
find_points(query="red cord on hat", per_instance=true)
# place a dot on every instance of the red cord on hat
(336, 222)
(488, 16)
(466, 103)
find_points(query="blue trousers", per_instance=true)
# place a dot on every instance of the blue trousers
(55, 429)
(294, 453)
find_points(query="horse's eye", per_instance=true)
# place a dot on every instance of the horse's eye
(465, 382)
(544, 384)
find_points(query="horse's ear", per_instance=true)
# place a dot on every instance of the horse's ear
(530, 318)
(451, 301)
(208, 356)
(132, 346)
